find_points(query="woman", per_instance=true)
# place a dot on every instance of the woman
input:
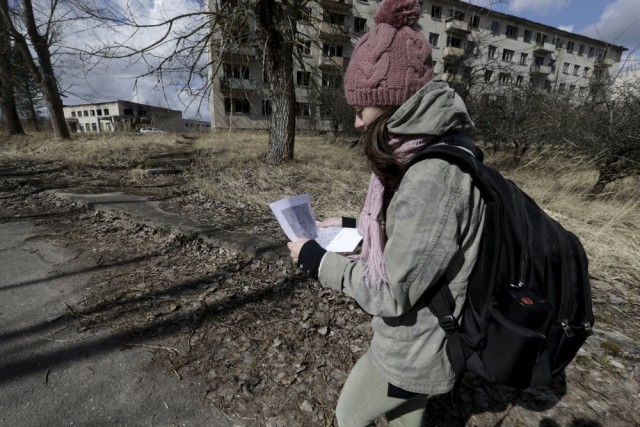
(420, 225)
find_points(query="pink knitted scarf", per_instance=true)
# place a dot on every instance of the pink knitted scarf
(371, 224)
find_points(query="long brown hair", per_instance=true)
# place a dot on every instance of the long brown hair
(377, 146)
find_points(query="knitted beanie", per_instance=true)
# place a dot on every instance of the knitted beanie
(392, 61)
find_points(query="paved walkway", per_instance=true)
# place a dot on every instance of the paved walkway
(51, 375)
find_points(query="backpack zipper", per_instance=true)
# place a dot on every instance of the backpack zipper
(524, 256)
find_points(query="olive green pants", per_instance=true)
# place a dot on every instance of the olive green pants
(364, 399)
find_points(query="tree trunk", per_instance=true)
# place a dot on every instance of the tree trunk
(7, 93)
(47, 77)
(279, 59)
(283, 120)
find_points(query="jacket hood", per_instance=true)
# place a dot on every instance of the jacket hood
(435, 109)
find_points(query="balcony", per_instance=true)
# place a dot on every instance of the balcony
(544, 48)
(330, 61)
(241, 52)
(233, 84)
(337, 5)
(334, 31)
(602, 62)
(454, 26)
(452, 53)
(540, 70)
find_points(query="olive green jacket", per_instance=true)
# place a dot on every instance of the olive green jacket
(433, 228)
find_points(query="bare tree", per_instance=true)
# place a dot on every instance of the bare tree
(190, 47)
(7, 97)
(25, 30)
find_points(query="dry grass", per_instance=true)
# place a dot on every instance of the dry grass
(229, 167)
(336, 177)
(103, 150)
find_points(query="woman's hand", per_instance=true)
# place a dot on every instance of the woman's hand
(294, 248)
(330, 222)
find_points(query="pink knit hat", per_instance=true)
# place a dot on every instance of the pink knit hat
(392, 61)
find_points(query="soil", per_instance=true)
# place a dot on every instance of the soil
(272, 345)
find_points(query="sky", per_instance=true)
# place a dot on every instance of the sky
(615, 21)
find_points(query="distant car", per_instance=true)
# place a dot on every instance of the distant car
(151, 130)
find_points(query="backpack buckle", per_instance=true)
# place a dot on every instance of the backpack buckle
(448, 323)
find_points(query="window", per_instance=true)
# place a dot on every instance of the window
(433, 39)
(570, 47)
(572, 89)
(582, 91)
(523, 58)
(538, 60)
(519, 80)
(92, 112)
(507, 55)
(512, 31)
(86, 113)
(454, 41)
(302, 109)
(332, 80)
(73, 114)
(495, 26)
(541, 38)
(487, 75)
(585, 73)
(436, 12)
(561, 87)
(333, 18)
(236, 71)
(475, 21)
(565, 68)
(456, 14)
(79, 113)
(304, 47)
(471, 48)
(105, 111)
(332, 50)
(360, 25)
(592, 51)
(237, 105)
(303, 78)
(99, 112)
(527, 36)
(94, 127)
(558, 42)
(576, 70)
(492, 51)
(128, 112)
(504, 78)
(142, 113)
(266, 107)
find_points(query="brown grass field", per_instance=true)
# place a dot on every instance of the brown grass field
(228, 165)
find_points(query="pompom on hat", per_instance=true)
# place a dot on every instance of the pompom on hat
(392, 61)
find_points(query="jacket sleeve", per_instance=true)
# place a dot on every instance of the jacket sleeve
(424, 226)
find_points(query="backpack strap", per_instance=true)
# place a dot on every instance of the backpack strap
(441, 303)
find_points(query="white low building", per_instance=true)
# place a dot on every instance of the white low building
(119, 116)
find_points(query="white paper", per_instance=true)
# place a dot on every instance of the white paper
(295, 216)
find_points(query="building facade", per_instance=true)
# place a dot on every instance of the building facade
(471, 45)
(115, 116)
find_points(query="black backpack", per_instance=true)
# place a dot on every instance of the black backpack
(528, 308)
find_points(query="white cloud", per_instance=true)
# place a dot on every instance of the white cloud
(86, 79)
(568, 28)
(540, 7)
(619, 24)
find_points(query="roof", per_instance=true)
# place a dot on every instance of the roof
(555, 30)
